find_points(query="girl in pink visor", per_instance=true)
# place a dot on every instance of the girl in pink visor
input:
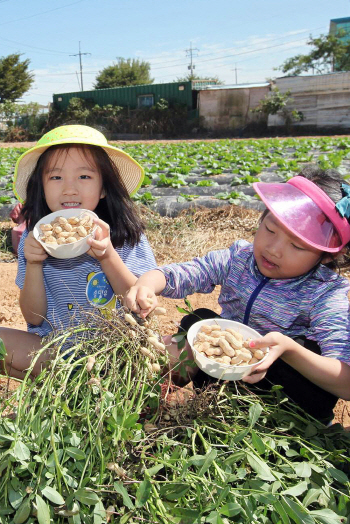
(286, 285)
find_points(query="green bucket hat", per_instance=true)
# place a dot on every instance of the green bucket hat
(130, 171)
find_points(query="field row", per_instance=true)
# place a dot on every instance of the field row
(183, 174)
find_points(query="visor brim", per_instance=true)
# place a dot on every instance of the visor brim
(300, 215)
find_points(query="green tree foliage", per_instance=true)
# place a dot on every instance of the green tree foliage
(329, 53)
(15, 79)
(276, 102)
(193, 77)
(127, 72)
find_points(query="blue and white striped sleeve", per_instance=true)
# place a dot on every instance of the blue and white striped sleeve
(22, 263)
(139, 258)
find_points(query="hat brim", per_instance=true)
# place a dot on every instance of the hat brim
(300, 215)
(130, 171)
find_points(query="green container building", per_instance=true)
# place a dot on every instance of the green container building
(134, 97)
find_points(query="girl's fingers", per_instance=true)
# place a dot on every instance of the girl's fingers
(130, 300)
(253, 378)
(141, 300)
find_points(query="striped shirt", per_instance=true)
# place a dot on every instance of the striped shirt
(66, 282)
(314, 305)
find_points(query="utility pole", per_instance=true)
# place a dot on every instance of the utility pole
(81, 67)
(189, 52)
(235, 70)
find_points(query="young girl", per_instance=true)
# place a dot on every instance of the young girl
(74, 167)
(281, 286)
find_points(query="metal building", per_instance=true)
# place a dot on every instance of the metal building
(134, 97)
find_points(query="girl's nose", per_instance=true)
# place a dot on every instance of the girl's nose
(276, 248)
(69, 188)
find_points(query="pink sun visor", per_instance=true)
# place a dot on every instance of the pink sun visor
(307, 212)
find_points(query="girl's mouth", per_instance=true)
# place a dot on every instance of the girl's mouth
(70, 204)
(267, 264)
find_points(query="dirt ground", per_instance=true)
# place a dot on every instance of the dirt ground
(10, 316)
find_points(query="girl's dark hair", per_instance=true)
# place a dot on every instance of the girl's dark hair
(330, 181)
(116, 208)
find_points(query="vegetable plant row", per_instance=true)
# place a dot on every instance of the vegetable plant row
(222, 169)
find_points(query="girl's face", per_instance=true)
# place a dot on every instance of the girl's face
(72, 180)
(279, 253)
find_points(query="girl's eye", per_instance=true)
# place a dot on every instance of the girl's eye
(269, 230)
(54, 177)
(84, 177)
(299, 248)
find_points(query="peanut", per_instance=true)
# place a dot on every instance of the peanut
(73, 228)
(130, 319)
(228, 350)
(226, 346)
(233, 341)
(156, 344)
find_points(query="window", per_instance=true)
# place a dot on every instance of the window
(145, 101)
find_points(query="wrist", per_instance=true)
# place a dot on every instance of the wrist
(290, 349)
(108, 255)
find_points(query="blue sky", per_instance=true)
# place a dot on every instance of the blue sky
(246, 38)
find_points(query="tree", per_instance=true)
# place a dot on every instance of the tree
(128, 72)
(276, 102)
(15, 80)
(329, 53)
(192, 77)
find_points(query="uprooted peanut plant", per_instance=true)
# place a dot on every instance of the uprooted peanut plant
(100, 436)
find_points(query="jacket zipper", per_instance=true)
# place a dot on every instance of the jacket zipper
(252, 298)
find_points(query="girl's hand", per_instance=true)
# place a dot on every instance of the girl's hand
(141, 300)
(101, 245)
(278, 344)
(33, 250)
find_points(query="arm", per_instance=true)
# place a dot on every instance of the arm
(328, 373)
(119, 276)
(32, 298)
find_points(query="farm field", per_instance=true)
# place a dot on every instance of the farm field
(224, 459)
(179, 175)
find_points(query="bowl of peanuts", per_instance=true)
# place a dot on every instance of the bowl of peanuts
(64, 233)
(221, 348)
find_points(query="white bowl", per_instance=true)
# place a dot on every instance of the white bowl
(218, 369)
(64, 250)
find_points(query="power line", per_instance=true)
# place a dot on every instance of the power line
(34, 47)
(41, 13)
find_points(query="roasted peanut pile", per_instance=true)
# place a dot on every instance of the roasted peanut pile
(66, 230)
(226, 346)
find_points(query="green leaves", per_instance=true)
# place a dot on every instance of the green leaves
(43, 512)
(20, 451)
(52, 495)
(262, 469)
(86, 496)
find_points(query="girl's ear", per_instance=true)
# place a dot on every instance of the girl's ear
(103, 193)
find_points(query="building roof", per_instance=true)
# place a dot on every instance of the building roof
(238, 86)
(341, 20)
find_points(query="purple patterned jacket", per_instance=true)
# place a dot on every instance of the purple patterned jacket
(314, 305)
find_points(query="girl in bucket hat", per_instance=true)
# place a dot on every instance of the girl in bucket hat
(284, 286)
(73, 167)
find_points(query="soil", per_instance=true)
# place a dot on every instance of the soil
(10, 316)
